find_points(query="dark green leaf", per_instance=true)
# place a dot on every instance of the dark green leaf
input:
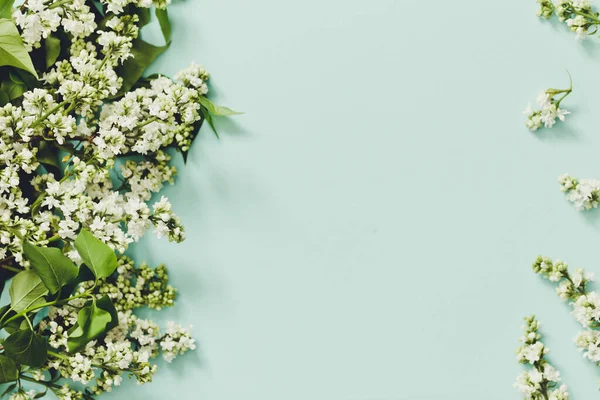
(12, 50)
(132, 69)
(15, 77)
(210, 120)
(15, 325)
(13, 90)
(30, 80)
(47, 154)
(9, 389)
(6, 8)
(8, 370)
(52, 47)
(165, 24)
(144, 15)
(26, 290)
(26, 348)
(218, 111)
(98, 257)
(93, 320)
(54, 268)
(4, 99)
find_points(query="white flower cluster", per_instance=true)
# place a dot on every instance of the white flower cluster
(585, 304)
(24, 395)
(177, 340)
(127, 348)
(549, 110)
(577, 14)
(38, 19)
(540, 381)
(584, 193)
(71, 112)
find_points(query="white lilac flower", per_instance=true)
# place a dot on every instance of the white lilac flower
(549, 111)
(540, 380)
(578, 15)
(584, 193)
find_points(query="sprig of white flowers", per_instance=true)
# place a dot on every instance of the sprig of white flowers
(584, 193)
(585, 304)
(541, 380)
(579, 15)
(549, 108)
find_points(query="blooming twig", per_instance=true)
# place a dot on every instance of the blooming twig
(549, 103)
(584, 193)
(577, 14)
(572, 287)
(541, 380)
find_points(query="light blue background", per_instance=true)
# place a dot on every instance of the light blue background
(365, 231)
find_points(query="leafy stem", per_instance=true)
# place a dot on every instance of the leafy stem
(87, 293)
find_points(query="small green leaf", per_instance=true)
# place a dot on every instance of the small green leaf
(12, 49)
(165, 25)
(6, 8)
(26, 290)
(26, 348)
(52, 47)
(8, 370)
(93, 320)
(98, 257)
(54, 268)
(218, 111)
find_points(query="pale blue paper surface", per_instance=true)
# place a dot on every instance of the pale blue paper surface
(365, 231)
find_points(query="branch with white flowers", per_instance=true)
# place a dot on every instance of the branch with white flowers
(579, 15)
(549, 110)
(585, 304)
(583, 193)
(540, 381)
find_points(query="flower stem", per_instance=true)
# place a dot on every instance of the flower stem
(52, 111)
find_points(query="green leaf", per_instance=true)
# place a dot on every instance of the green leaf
(9, 389)
(54, 268)
(4, 99)
(13, 90)
(165, 25)
(47, 154)
(132, 69)
(6, 8)
(210, 120)
(26, 290)
(99, 258)
(15, 78)
(93, 320)
(15, 325)
(144, 15)
(52, 47)
(12, 50)
(8, 370)
(26, 348)
(218, 111)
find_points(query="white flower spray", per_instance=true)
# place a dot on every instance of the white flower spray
(549, 109)
(541, 381)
